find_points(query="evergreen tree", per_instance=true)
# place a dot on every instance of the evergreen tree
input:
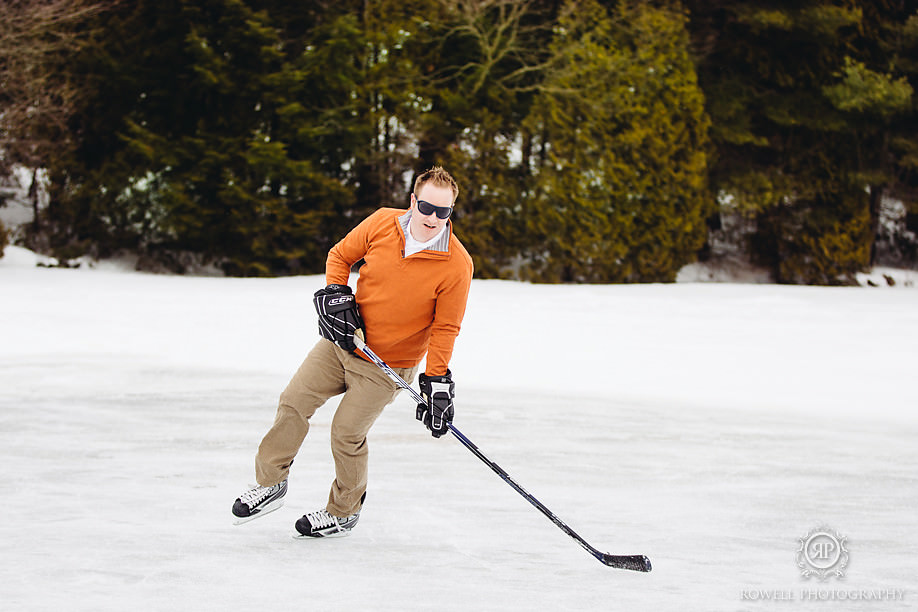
(493, 185)
(390, 101)
(876, 91)
(620, 194)
(196, 145)
(802, 101)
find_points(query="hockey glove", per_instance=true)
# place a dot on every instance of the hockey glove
(437, 410)
(339, 318)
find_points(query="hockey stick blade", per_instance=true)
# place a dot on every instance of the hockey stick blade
(637, 563)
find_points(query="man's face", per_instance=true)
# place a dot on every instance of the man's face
(424, 227)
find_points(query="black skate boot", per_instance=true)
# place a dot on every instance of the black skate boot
(321, 524)
(259, 501)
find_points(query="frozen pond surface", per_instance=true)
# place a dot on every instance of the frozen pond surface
(708, 426)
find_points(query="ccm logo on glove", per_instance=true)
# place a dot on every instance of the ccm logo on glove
(339, 317)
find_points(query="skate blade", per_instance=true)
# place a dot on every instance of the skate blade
(239, 520)
(337, 534)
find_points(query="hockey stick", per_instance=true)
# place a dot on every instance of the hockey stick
(638, 563)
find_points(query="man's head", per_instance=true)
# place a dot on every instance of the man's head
(435, 192)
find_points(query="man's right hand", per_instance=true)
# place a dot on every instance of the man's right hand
(339, 318)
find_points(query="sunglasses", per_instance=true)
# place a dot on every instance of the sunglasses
(426, 208)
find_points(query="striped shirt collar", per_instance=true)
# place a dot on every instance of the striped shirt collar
(439, 243)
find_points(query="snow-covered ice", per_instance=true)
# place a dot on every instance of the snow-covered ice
(709, 426)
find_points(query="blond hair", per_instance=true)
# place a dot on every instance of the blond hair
(437, 177)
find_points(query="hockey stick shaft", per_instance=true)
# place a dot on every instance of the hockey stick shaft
(639, 563)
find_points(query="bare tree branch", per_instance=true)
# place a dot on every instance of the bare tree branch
(35, 98)
(504, 40)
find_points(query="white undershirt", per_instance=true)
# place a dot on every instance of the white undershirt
(412, 246)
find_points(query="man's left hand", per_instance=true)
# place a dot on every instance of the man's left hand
(437, 410)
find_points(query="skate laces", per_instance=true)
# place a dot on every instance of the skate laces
(320, 519)
(253, 496)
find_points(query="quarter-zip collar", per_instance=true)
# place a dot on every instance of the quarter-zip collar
(438, 248)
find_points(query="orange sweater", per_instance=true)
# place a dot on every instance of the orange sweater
(410, 305)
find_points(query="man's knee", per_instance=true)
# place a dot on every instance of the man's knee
(347, 435)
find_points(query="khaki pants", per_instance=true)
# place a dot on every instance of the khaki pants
(326, 372)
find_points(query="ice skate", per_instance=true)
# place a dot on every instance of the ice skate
(321, 524)
(259, 501)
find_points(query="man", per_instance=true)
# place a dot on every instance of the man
(410, 299)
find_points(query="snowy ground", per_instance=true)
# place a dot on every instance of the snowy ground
(708, 426)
